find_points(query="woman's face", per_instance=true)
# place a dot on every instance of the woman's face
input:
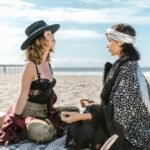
(50, 38)
(114, 47)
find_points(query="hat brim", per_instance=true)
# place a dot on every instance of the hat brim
(53, 28)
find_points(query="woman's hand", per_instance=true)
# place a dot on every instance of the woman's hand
(86, 102)
(70, 117)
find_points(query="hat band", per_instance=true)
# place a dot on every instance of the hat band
(37, 30)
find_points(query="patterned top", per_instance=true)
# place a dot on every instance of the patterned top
(130, 97)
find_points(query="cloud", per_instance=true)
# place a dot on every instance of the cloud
(97, 16)
(16, 4)
(78, 34)
(10, 37)
(117, 13)
(129, 3)
(99, 2)
(15, 15)
(74, 62)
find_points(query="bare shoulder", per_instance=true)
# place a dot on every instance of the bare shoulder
(29, 64)
(29, 68)
(28, 73)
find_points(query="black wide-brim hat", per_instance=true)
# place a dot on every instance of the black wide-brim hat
(35, 29)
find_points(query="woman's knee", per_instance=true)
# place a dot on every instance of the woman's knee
(40, 131)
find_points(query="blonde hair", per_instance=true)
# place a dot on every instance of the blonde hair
(35, 50)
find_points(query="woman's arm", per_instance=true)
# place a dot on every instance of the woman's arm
(26, 79)
(93, 112)
(70, 117)
(14, 121)
(86, 102)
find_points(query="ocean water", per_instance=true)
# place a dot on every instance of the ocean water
(78, 71)
(89, 71)
(16, 69)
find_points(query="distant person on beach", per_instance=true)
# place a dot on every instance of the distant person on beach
(35, 103)
(125, 95)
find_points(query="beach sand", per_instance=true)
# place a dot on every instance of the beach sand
(69, 89)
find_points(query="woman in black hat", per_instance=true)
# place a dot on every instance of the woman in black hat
(125, 95)
(34, 105)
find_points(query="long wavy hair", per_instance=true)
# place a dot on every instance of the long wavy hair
(127, 49)
(35, 50)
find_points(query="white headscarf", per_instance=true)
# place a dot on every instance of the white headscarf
(119, 36)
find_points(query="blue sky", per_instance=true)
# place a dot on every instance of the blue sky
(81, 41)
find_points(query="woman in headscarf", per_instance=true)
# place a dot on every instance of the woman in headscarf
(125, 95)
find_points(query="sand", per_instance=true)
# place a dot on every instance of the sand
(69, 89)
